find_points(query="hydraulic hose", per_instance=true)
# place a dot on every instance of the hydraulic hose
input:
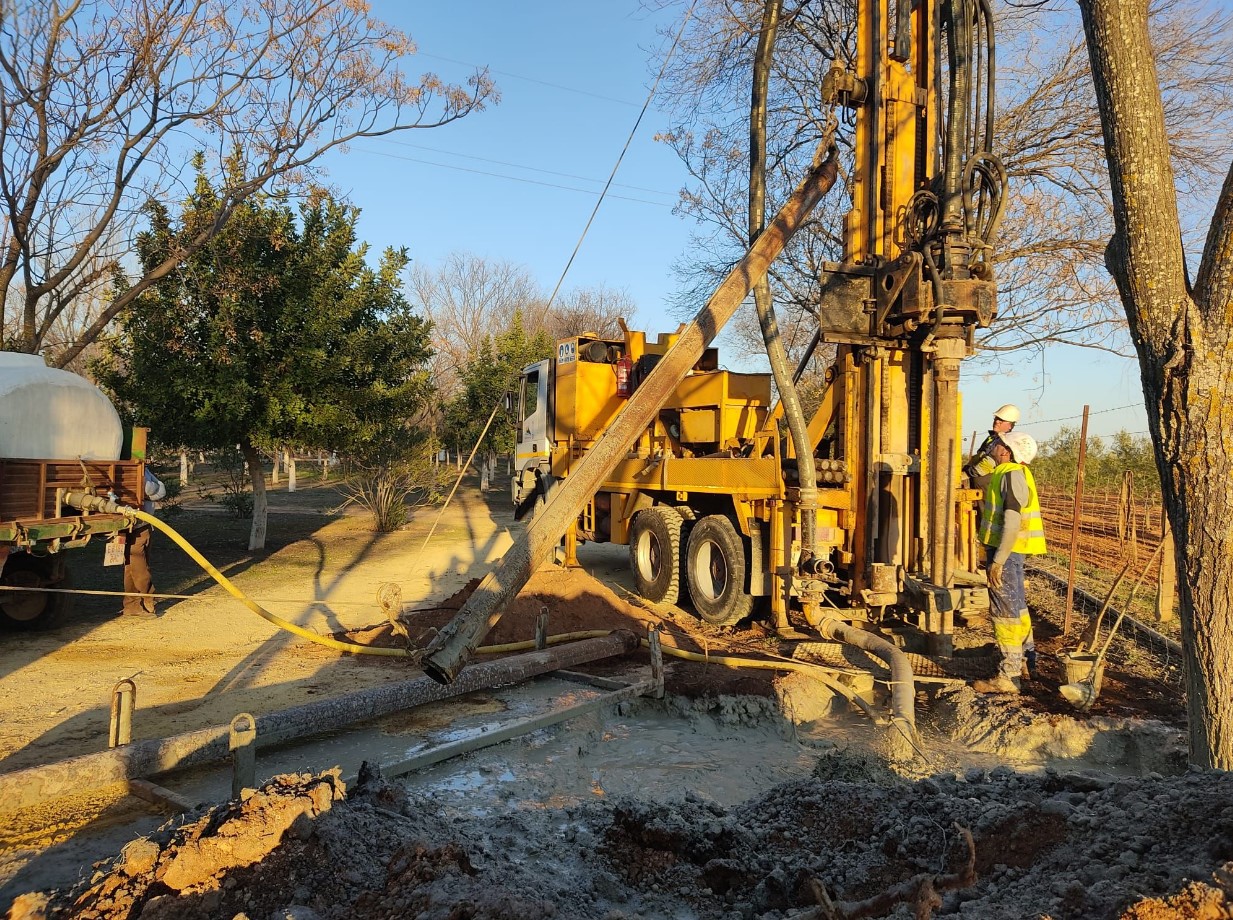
(85, 501)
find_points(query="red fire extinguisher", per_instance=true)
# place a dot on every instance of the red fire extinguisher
(623, 367)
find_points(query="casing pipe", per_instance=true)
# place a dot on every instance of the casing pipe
(450, 650)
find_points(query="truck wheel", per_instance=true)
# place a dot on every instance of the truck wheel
(655, 554)
(33, 609)
(717, 567)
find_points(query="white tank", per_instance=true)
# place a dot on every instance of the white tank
(50, 414)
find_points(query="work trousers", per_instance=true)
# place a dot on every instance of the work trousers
(1012, 624)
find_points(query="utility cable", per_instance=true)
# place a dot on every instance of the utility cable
(457, 482)
(645, 105)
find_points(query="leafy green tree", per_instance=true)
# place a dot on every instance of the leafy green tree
(277, 331)
(1104, 466)
(492, 372)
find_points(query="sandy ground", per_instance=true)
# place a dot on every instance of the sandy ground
(204, 660)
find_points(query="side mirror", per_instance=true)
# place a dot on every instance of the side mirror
(508, 402)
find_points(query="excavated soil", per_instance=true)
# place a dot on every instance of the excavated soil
(854, 837)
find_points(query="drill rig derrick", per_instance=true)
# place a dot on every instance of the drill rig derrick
(902, 306)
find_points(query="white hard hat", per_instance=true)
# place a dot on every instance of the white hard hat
(1008, 413)
(1022, 446)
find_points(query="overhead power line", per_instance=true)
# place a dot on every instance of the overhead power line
(617, 165)
(484, 172)
(547, 172)
(1069, 418)
(504, 73)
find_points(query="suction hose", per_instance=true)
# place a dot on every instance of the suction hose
(902, 682)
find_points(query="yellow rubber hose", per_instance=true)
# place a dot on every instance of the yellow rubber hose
(809, 670)
(327, 641)
(256, 608)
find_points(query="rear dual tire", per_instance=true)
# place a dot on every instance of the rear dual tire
(34, 610)
(655, 557)
(717, 563)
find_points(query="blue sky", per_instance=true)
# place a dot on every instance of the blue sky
(519, 181)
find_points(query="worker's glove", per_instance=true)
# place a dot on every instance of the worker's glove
(995, 575)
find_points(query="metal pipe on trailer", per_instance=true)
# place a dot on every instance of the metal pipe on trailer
(454, 645)
(140, 759)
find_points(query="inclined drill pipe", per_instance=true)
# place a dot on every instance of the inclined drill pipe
(450, 650)
(141, 759)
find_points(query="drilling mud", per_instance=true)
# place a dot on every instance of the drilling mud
(496, 841)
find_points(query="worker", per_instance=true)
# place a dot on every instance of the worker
(138, 584)
(1011, 529)
(980, 465)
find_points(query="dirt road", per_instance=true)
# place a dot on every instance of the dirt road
(206, 658)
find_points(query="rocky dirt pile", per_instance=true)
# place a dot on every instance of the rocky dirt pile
(1058, 845)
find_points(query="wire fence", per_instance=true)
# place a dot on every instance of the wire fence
(1115, 532)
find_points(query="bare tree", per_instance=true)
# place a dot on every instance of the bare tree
(593, 309)
(1181, 332)
(469, 298)
(1052, 287)
(102, 105)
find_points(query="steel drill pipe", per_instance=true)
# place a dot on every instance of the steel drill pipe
(141, 759)
(454, 645)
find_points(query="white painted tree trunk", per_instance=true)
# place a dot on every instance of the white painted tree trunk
(325, 468)
(274, 473)
(289, 459)
(261, 505)
(183, 468)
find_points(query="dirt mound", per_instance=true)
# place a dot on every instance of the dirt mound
(1062, 846)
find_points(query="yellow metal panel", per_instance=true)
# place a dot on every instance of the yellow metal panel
(745, 477)
(700, 425)
(587, 400)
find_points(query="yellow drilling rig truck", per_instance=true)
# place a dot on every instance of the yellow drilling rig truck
(859, 514)
(708, 498)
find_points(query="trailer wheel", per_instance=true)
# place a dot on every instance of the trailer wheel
(33, 609)
(655, 554)
(717, 568)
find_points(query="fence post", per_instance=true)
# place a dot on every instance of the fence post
(1074, 525)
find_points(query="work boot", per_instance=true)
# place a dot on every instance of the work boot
(140, 612)
(999, 684)
(1030, 659)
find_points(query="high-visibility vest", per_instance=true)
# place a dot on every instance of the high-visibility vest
(1031, 539)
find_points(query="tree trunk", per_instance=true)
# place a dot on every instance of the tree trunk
(289, 462)
(261, 505)
(183, 468)
(1182, 337)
